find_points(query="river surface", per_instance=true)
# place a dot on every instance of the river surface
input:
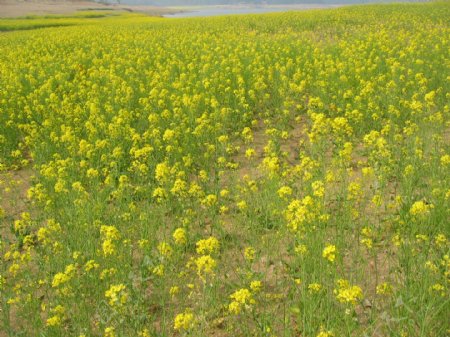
(231, 10)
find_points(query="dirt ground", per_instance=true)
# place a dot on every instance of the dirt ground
(14, 8)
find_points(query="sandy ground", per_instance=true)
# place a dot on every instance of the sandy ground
(13, 8)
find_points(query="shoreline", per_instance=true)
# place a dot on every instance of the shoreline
(219, 10)
(17, 9)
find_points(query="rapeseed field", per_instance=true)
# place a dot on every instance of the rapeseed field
(261, 175)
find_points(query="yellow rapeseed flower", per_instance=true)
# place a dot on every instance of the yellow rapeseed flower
(184, 321)
(329, 252)
(207, 246)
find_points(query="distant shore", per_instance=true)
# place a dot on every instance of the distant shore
(238, 6)
(217, 10)
(14, 8)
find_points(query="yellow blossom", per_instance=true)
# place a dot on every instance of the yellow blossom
(210, 245)
(242, 298)
(179, 235)
(205, 265)
(329, 253)
(184, 321)
(346, 293)
(116, 295)
(314, 287)
(325, 333)
(110, 332)
(420, 208)
(284, 192)
(384, 289)
(249, 253)
(164, 249)
(255, 286)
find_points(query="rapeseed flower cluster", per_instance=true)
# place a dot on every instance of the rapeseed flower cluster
(347, 293)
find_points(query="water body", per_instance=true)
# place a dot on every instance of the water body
(232, 10)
